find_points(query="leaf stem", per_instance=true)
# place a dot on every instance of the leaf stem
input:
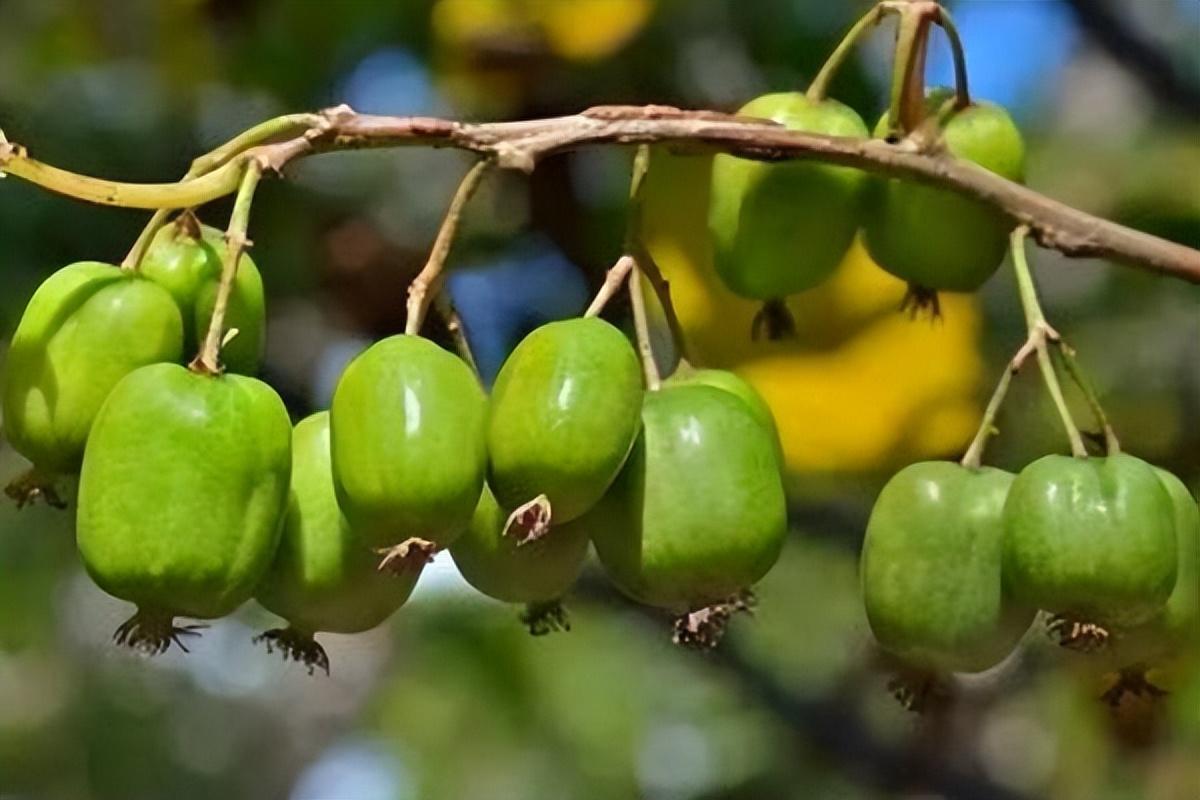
(208, 360)
(1040, 333)
(429, 279)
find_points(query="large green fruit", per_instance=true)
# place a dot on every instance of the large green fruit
(937, 239)
(931, 569)
(728, 381)
(87, 326)
(778, 229)
(1091, 540)
(537, 573)
(182, 492)
(323, 577)
(698, 513)
(185, 258)
(407, 433)
(565, 409)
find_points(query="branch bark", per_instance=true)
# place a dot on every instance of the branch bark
(521, 145)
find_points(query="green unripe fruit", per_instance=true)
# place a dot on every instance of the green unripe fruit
(934, 238)
(537, 572)
(1091, 539)
(778, 229)
(565, 409)
(730, 382)
(86, 327)
(1176, 628)
(407, 434)
(182, 492)
(931, 566)
(186, 259)
(698, 514)
(323, 577)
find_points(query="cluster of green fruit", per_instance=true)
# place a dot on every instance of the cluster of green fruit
(196, 494)
(957, 561)
(779, 229)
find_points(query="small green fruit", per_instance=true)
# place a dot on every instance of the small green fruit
(86, 327)
(698, 514)
(323, 577)
(931, 569)
(407, 433)
(730, 382)
(1176, 628)
(1091, 540)
(934, 238)
(182, 492)
(778, 229)
(565, 409)
(185, 258)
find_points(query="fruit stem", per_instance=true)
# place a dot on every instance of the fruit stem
(613, 280)
(458, 332)
(1112, 445)
(1040, 333)
(820, 84)
(219, 157)
(635, 246)
(428, 280)
(973, 459)
(962, 93)
(209, 358)
(641, 326)
(907, 108)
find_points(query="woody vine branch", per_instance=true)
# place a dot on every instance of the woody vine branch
(522, 145)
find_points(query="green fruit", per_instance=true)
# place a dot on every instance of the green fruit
(189, 267)
(323, 577)
(931, 569)
(87, 326)
(538, 571)
(698, 513)
(935, 238)
(1091, 539)
(407, 433)
(1176, 628)
(778, 229)
(181, 496)
(730, 382)
(565, 409)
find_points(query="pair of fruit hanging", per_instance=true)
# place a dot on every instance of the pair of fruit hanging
(197, 494)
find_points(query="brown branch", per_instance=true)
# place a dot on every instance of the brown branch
(521, 145)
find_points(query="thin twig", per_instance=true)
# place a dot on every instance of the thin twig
(521, 145)
(428, 280)
(1040, 333)
(208, 360)
(613, 280)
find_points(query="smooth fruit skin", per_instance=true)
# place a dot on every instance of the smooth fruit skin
(538, 571)
(698, 514)
(183, 490)
(728, 381)
(565, 409)
(778, 229)
(409, 452)
(931, 565)
(323, 577)
(86, 327)
(1176, 628)
(935, 238)
(1092, 539)
(190, 269)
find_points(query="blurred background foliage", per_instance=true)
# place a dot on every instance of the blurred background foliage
(453, 699)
